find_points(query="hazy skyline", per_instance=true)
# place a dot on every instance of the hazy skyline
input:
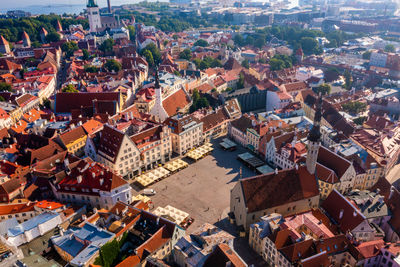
(25, 3)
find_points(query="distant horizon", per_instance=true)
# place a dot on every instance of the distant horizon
(21, 4)
(59, 7)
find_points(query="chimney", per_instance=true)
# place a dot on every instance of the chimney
(109, 6)
(276, 170)
(101, 181)
(79, 179)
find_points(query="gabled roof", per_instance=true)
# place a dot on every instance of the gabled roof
(223, 255)
(16, 208)
(242, 123)
(342, 211)
(110, 141)
(73, 135)
(173, 103)
(333, 161)
(93, 176)
(92, 126)
(65, 102)
(232, 64)
(271, 190)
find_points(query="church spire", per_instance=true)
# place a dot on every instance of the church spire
(156, 79)
(315, 133)
(314, 139)
(92, 3)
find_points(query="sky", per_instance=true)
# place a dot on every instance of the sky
(5, 4)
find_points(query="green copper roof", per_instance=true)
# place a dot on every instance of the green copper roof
(92, 3)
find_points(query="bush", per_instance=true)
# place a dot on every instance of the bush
(70, 89)
(324, 89)
(113, 65)
(354, 107)
(5, 87)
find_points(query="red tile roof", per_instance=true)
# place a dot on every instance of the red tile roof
(93, 176)
(271, 190)
(73, 135)
(342, 211)
(16, 208)
(65, 102)
(175, 102)
(222, 255)
(110, 141)
(333, 161)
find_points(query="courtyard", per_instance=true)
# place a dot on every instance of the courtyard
(203, 191)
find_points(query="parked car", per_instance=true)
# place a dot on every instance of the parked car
(149, 192)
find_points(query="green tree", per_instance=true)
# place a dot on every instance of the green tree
(5, 87)
(175, 37)
(108, 253)
(360, 120)
(53, 37)
(149, 57)
(197, 62)
(245, 64)
(69, 48)
(276, 64)
(216, 63)
(367, 55)
(91, 69)
(198, 101)
(348, 80)
(155, 52)
(390, 48)
(239, 40)
(310, 45)
(70, 88)
(112, 65)
(132, 33)
(107, 46)
(86, 54)
(262, 61)
(36, 44)
(260, 41)
(324, 89)
(250, 40)
(201, 42)
(240, 83)
(354, 107)
(186, 54)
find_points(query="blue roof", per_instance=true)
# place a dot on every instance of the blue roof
(69, 243)
(31, 223)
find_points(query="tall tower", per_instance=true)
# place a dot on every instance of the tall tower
(26, 40)
(4, 45)
(314, 138)
(158, 110)
(93, 15)
(43, 34)
(109, 6)
(59, 26)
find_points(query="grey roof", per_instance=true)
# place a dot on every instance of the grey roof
(36, 260)
(31, 223)
(7, 224)
(371, 204)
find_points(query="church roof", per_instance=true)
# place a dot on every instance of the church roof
(92, 3)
